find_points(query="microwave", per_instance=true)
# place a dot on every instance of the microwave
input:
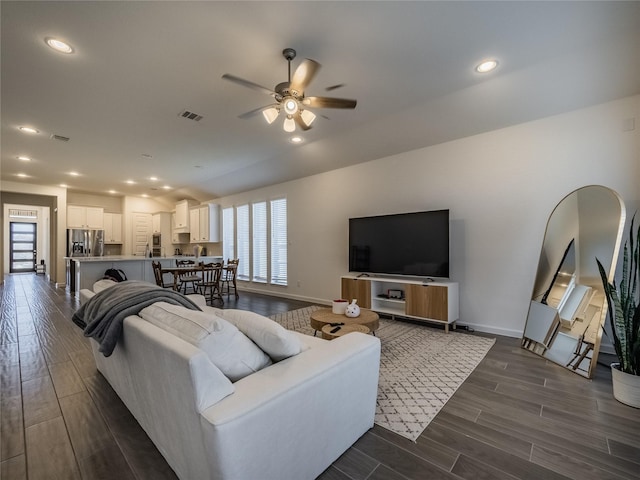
(157, 240)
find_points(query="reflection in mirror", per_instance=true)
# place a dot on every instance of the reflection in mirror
(565, 317)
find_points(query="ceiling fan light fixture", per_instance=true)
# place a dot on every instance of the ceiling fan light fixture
(270, 114)
(290, 105)
(289, 124)
(307, 117)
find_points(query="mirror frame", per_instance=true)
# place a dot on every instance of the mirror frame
(597, 228)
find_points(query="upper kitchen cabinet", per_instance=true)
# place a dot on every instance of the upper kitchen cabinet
(85, 217)
(182, 216)
(205, 223)
(112, 228)
(161, 223)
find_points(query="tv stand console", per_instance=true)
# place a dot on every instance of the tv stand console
(428, 301)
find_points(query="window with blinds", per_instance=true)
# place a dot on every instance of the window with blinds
(279, 241)
(257, 236)
(228, 234)
(259, 270)
(242, 241)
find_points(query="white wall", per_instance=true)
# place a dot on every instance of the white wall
(500, 188)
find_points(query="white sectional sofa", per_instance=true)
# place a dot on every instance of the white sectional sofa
(287, 421)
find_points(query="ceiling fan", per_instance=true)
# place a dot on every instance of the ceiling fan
(290, 97)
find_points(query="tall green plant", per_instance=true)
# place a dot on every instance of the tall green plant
(624, 306)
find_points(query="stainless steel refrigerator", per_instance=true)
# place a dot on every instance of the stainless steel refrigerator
(85, 243)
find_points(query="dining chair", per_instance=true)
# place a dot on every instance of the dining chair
(157, 273)
(209, 285)
(188, 278)
(229, 276)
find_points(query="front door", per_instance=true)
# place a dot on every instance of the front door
(22, 247)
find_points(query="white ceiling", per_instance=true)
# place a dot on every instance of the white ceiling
(409, 64)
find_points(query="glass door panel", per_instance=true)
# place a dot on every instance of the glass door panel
(22, 247)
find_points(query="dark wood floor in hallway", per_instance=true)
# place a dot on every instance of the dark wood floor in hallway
(515, 417)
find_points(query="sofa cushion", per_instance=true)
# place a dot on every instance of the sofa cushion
(103, 284)
(278, 342)
(227, 348)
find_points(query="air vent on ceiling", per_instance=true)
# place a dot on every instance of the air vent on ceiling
(59, 137)
(190, 115)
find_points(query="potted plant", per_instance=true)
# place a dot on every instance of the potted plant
(624, 319)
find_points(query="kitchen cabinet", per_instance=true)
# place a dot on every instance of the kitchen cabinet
(85, 217)
(194, 225)
(205, 223)
(112, 228)
(182, 216)
(161, 223)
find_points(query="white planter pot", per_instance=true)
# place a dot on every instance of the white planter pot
(626, 387)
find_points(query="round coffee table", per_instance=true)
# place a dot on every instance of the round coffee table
(327, 334)
(324, 316)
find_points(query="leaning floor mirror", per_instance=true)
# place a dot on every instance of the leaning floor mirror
(568, 307)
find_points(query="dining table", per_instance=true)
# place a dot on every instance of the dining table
(181, 270)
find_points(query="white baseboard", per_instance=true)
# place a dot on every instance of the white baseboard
(505, 332)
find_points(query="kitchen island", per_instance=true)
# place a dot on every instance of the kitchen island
(83, 272)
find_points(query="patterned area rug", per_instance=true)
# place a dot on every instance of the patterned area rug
(420, 369)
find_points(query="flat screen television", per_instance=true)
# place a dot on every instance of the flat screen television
(401, 244)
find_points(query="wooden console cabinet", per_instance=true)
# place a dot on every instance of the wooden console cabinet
(426, 301)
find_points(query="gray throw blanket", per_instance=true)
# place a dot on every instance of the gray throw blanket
(102, 316)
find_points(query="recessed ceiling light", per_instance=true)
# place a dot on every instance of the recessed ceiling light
(486, 66)
(295, 139)
(144, 195)
(24, 159)
(29, 130)
(74, 174)
(64, 185)
(166, 187)
(153, 179)
(130, 182)
(112, 192)
(58, 45)
(22, 175)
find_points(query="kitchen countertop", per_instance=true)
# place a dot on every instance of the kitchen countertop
(129, 258)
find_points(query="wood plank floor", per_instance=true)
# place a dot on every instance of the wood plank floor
(515, 417)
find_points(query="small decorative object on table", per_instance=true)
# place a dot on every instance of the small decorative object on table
(339, 306)
(352, 310)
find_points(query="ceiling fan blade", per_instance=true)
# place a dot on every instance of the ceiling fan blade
(334, 87)
(247, 83)
(304, 74)
(329, 102)
(255, 111)
(300, 122)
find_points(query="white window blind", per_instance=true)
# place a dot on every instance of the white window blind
(228, 234)
(242, 241)
(279, 241)
(259, 242)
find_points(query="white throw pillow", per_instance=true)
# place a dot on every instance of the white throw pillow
(103, 284)
(278, 342)
(228, 349)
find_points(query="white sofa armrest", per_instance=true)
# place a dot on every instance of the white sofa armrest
(329, 390)
(85, 295)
